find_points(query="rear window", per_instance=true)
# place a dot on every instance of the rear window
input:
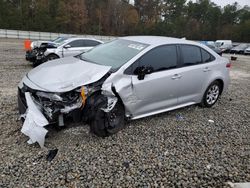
(76, 43)
(90, 43)
(191, 55)
(206, 56)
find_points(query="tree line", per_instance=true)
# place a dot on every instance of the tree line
(200, 20)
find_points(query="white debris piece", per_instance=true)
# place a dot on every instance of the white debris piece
(34, 123)
(209, 167)
(211, 121)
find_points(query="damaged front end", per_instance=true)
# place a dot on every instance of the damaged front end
(53, 107)
(56, 105)
(39, 109)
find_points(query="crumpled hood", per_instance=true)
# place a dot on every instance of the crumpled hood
(37, 43)
(66, 74)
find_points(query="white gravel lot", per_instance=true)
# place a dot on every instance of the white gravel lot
(159, 151)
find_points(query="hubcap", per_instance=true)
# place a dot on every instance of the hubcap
(213, 94)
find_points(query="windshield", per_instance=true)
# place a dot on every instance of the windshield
(59, 40)
(218, 44)
(115, 53)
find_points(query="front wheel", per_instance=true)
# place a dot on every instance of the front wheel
(212, 94)
(52, 57)
(105, 124)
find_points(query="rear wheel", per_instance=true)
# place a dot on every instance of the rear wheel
(104, 124)
(212, 94)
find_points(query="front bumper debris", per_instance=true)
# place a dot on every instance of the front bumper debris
(31, 55)
(34, 123)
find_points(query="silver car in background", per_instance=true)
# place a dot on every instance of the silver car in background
(128, 78)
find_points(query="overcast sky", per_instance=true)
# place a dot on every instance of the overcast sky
(226, 2)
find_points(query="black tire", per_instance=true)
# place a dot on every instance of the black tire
(211, 94)
(52, 57)
(106, 124)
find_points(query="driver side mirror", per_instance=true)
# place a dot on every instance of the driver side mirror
(142, 71)
(67, 46)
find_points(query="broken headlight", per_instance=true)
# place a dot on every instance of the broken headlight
(58, 98)
(50, 96)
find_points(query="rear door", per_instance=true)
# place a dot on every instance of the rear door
(194, 73)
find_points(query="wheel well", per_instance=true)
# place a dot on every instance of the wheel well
(221, 84)
(53, 54)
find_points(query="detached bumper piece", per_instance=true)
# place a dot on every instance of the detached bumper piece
(39, 109)
(34, 123)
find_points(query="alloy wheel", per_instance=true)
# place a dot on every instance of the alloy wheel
(213, 94)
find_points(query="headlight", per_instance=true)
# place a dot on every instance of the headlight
(32, 45)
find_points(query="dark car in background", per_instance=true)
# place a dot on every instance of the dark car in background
(240, 49)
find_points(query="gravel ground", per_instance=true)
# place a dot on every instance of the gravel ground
(159, 151)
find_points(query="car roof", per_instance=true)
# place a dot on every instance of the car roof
(82, 38)
(158, 40)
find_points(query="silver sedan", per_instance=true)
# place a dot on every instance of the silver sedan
(127, 78)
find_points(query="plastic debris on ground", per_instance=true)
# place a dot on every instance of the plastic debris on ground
(179, 117)
(233, 58)
(211, 121)
(51, 155)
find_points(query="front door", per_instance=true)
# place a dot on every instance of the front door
(74, 48)
(158, 90)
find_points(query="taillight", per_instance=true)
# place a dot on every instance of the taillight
(229, 65)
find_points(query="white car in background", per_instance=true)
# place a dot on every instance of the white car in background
(247, 51)
(70, 47)
(224, 45)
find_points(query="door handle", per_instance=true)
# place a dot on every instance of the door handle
(206, 69)
(176, 76)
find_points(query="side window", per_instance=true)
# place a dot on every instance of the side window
(90, 43)
(191, 55)
(76, 43)
(160, 58)
(206, 57)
